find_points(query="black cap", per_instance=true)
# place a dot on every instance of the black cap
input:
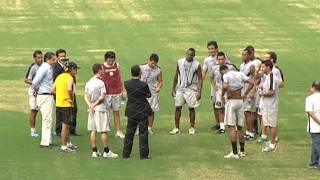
(72, 65)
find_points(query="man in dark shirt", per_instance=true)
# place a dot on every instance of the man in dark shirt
(137, 110)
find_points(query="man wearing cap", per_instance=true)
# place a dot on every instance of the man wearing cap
(64, 87)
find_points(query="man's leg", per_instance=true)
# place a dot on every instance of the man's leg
(32, 119)
(93, 140)
(104, 140)
(221, 120)
(73, 126)
(46, 107)
(249, 120)
(315, 149)
(273, 135)
(216, 117)
(177, 116)
(151, 120)
(233, 137)
(192, 116)
(143, 139)
(128, 140)
(241, 138)
(65, 132)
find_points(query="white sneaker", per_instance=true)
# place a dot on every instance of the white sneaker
(110, 154)
(72, 146)
(137, 132)
(231, 156)
(192, 131)
(150, 131)
(269, 149)
(242, 154)
(175, 131)
(34, 134)
(68, 150)
(120, 134)
(95, 154)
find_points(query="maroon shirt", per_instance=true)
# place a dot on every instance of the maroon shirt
(112, 79)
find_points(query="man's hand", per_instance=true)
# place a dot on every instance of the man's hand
(157, 89)
(91, 108)
(198, 96)
(173, 93)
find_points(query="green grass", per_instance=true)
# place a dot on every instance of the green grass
(134, 29)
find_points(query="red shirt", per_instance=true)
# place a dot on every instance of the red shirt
(112, 79)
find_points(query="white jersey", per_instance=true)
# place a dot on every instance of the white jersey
(188, 77)
(94, 87)
(257, 64)
(313, 105)
(235, 80)
(270, 83)
(216, 74)
(245, 68)
(277, 73)
(150, 76)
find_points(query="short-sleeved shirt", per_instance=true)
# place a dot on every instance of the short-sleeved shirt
(42, 82)
(270, 83)
(188, 77)
(278, 73)
(150, 76)
(216, 74)
(245, 68)
(62, 94)
(31, 73)
(94, 87)
(313, 105)
(235, 79)
(211, 61)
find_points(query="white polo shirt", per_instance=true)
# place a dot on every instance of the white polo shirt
(313, 105)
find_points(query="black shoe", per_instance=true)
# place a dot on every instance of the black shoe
(75, 134)
(45, 147)
(145, 158)
(221, 131)
(215, 127)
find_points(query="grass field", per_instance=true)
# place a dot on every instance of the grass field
(134, 29)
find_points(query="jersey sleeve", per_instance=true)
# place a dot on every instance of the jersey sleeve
(244, 77)
(205, 66)
(32, 73)
(308, 105)
(103, 88)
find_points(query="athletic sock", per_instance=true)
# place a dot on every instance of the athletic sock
(241, 146)
(106, 149)
(272, 146)
(222, 126)
(234, 147)
(264, 136)
(33, 130)
(95, 149)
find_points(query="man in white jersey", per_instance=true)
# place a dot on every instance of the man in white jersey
(187, 87)
(216, 79)
(233, 82)
(208, 63)
(269, 92)
(248, 68)
(152, 75)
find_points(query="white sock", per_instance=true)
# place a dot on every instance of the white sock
(264, 136)
(222, 126)
(272, 146)
(149, 127)
(33, 129)
(247, 132)
(276, 138)
(251, 134)
(64, 147)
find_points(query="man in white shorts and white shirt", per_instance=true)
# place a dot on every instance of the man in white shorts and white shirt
(152, 75)
(98, 118)
(187, 87)
(312, 108)
(209, 63)
(31, 73)
(233, 82)
(269, 92)
(216, 77)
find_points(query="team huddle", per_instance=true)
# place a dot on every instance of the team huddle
(245, 100)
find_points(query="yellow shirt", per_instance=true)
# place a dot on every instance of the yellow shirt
(62, 93)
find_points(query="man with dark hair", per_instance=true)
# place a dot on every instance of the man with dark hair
(152, 75)
(312, 108)
(114, 86)
(137, 110)
(98, 118)
(216, 79)
(42, 84)
(233, 82)
(187, 88)
(208, 64)
(31, 73)
(269, 92)
(248, 68)
(64, 87)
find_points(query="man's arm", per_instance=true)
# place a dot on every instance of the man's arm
(204, 70)
(28, 81)
(314, 116)
(160, 82)
(38, 78)
(199, 73)
(175, 81)
(71, 90)
(251, 85)
(53, 89)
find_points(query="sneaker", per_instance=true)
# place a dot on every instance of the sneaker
(242, 154)
(150, 131)
(313, 166)
(110, 154)
(221, 131)
(72, 146)
(261, 140)
(231, 156)
(175, 131)
(34, 134)
(269, 149)
(95, 154)
(119, 134)
(248, 137)
(68, 150)
(215, 127)
(192, 131)
(137, 132)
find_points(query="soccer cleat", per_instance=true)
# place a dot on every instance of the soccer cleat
(175, 131)
(231, 156)
(72, 146)
(110, 155)
(137, 132)
(68, 150)
(248, 137)
(269, 149)
(119, 134)
(261, 140)
(150, 131)
(34, 134)
(215, 127)
(221, 131)
(192, 131)
(242, 154)
(95, 154)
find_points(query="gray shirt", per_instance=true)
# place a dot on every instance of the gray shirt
(94, 87)
(42, 82)
(150, 76)
(188, 78)
(216, 74)
(32, 70)
(235, 80)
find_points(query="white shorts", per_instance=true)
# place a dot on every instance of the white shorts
(269, 117)
(219, 103)
(234, 112)
(33, 103)
(99, 121)
(188, 97)
(113, 102)
(154, 102)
